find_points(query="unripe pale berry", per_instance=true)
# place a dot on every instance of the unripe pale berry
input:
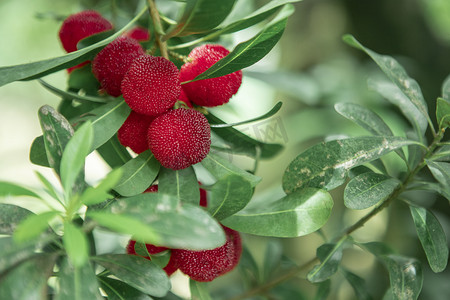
(213, 91)
(133, 132)
(179, 138)
(110, 65)
(151, 85)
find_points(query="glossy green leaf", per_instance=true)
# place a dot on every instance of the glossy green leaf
(443, 113)
(432, 237)
(325, 165)
(200, 16)
(229, 195)
(178, 186)
(442, 154)
(57, 133)
(330, 256)
(299, 213)
(49, 188)
(41, 68)
(76, 244)
(396, 74)
(199, 290)
(251, 51)
(74, 156)
(100, 193)
(13, 253)
(83, 80)
(137, 272)
(77, 283)
(29, 279)
(405, 275)
(377, 248)
(38, 156)
(119, 290)
(358, 284)
(33, 226)
(11, 216)
(71, 95)
(446, 89)
(267, 115)
(368, 189)
(438, 188)
(220, 167)
(440, 171)
(323, 290)
(114, 153)
(11, 189)
(138, 174)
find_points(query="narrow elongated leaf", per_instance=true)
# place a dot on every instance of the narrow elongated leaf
(119, 290)
(199, 290)
(13, 253)
(377, 248)
(437, 188)
(38, 155)
(29, 279)
(323, 290)
(405, 275)
(71, 95)
(77, 283)
(33, 226)
(249, 52)
(138, 174)
(50, 189)
(300, 213)
(76, 245)
(229, 195)
(41, 68)
(137, 272)
(98, 194)
(181, 186)
(325, 165)
(200, 16)
(11, 216)
(442, 154)
(396, 74)
(114, 153)
(272, 259)
(358, 284)
(446, 89)
(220, 167)
(368, 189)
(432, 237)
(74, 156)
(443, 113)
(440, 171)
(330, 256)
(12, 189)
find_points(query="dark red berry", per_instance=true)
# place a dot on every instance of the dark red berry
(138, 33)
(133, 132)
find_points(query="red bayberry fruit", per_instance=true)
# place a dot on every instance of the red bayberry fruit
(110, 65)
(213, 91)
(81, 25)
(206, 265)
(138, 33)
(133, 132)
(151, 85)
(179, 138)
(185, 99)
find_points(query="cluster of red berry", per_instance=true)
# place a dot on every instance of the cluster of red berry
(151, 86)
(178, 138)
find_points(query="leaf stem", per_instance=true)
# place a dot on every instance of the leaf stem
(158, 28)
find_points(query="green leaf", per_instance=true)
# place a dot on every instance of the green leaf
(330, 256)
(377, 248)
(199, 290)
(178, 186)
(137, 272)
(83, 80)
(33, 226)
(267, 115)
(251, 51)
(405, 275)
(432, 237)
(12, 189)
(323, 290)
(358, 284)
(13, 253)
(70, 95)
(29, 279)
(77, 283)
(446, 89)
(41, 68)
(114, 153)
(229, 195)
(300, 213)
(74, 156)
(440, 171)
(57, 133)
(325, 165)
(98, 194)
(396, 74)
(443, 112)
(200, 16)
(272, 259)
(138, 174)
(438, 188)
(38, 155)
(76, 245)
(49, 188)
(220, 167)
(11, 216)
(119, 290)
(442, 154)
(368, 189)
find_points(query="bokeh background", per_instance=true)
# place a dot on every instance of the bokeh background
(310, 70)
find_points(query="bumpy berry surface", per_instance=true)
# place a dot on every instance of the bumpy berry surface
(183, 97)
(213, 91)
(110, 65)
(133, 132)
(206, 265)
(81, 25)
(138, 33)
(179, 138)
(151, 85)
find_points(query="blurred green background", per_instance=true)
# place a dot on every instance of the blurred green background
(310, 70)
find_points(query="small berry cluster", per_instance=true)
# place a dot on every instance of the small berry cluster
(151, 86)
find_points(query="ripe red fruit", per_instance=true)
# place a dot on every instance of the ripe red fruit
(213, 91)
(206, 265)
(110, 65)
(151, 85)
(81, 25)
(138, 33)
(133, 132)
(179, 138)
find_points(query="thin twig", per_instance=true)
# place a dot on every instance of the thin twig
(158, 28)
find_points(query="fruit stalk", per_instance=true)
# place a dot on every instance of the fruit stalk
(158, 28)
